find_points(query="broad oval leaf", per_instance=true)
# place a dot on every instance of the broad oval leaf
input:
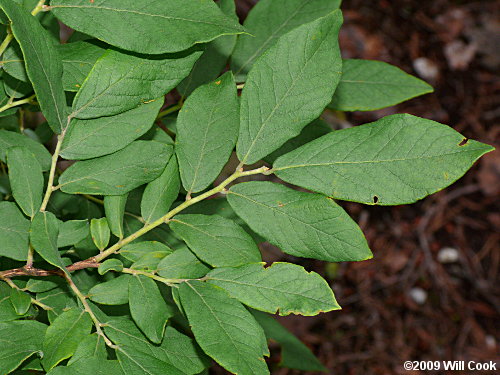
(162, 26)
(87, 366)
(20, 300)
(289, 86)
(92, 138)
(216, 240)
(118, 173)
(301, 224)
(120, 81)
(137, 250)
(368, 85)
(20, 340)
(113, 292)
(148, 308)
(10, 139)
(224, 329)
(43, 63)
(26, 179)
(64, 335)
(114, 207)
(99, 229)
(207, 129)
(110, 265)
(71, 232)
(14, 232)
(396, 160)
(182, 264)
(267, 21)
(283, 287)
(92, 346)
(43, 235)
(161, 192)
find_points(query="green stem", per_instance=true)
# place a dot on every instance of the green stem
(239, 173)
(33, 300)
(169, 282)
(52, 173)
(98, 325)
(38, 8)
(17, 103)
(169, 110)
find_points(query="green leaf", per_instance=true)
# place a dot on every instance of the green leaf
(148, 308)
(14, 232)
(114, 207)
(15, 88)
(294, 354)
(99, 230)
(396, 160)
(267, 21)
(138, 356)
(9, 139)
(369, 85)
(78, 59)
(289, 86)
(43, 63)
(42, 285)
(26, 179)
(149, 261)
(224, 329)
(92, 346)
(137, 250)
(118, 173)
(59, 299)
(161, 193)
(214, 58)
(110, 265)
(64, 335)
(181, 264)
(94, 366)
(113, 292)
(119, 81)
(311, 132)
(43, 235)
(92, 138)
(164, 26)
(19, 341)
(301, 224)
(13, 62)
(207, 129)
(216, 240)
(71, 232)
(283, 287)
(20, 300)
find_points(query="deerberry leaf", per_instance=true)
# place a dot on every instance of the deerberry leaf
(114, 207)
(43, 235)
(9, 139)
(99, 229)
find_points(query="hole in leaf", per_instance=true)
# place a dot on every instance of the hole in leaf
(375, 199)
(463, 142)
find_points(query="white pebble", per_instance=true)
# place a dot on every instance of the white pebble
(418, 295)
(448, 255)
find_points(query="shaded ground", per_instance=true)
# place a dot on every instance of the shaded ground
(411, 302)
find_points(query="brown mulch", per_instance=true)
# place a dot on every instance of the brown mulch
(383, 323)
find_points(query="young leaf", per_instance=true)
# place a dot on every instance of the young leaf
(207, 129)
(216, 240)
(14, 232)
(301, 224)
(224, 329)
(214, 58)
(43, 63)
(148, 308)
(164, 26)
(294, 354)
(369, 85)
(396, 160)
(138, 356)
(13, 62)
(267, 21)
(114, 207)
(43, 235)
(161, 193)
(64, 335)
(71, 232)
(137, 250)
(119, 81)
(283, 287)
(113, 292)
(26, 179)
(181, 264)
(99, 230)
(20, 300)
(10, 139)
(92, 138)
(92, 346)
(289, 86)
(19, 341)
(78, 59)
(110, 265)
(118, 173)
(94, 366)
